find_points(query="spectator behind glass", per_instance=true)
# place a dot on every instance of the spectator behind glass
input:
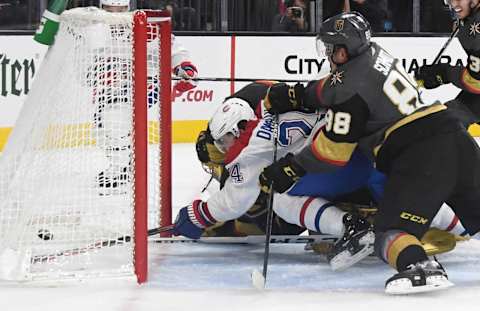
(401, 15)
(183, 17)
(373, 10)
(435, 16)
(15, 14)
(294, 18)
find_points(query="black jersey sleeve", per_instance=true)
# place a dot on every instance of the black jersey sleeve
(333, 146)
(313, 94)
(467, 78)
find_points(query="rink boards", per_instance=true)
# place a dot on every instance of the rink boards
(232, 57)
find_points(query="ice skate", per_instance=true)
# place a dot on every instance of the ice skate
(356, 243)
(423, 276)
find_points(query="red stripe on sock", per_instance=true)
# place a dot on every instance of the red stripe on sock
(453, 223)
(303, 211)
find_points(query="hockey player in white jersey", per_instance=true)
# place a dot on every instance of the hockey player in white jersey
(246, 139)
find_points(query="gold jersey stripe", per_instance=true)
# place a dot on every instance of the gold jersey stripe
(330, 151)
(472, 84)
(399, 244)
(414, 116)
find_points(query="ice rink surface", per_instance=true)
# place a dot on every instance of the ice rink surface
(217, 277)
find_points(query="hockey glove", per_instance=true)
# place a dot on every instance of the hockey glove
(282, 98)
(283, 174)
(206, 149)
(187, 72)
(432, 76)
(192, 220)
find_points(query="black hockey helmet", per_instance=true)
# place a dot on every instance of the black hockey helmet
(349, 29)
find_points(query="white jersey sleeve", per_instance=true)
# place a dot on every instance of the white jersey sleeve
(252, 152)
(179, 53)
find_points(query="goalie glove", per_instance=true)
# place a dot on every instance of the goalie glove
(187, 72)
(283, 174)
(192, 220)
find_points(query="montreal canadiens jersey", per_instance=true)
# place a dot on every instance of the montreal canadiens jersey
(253, 151)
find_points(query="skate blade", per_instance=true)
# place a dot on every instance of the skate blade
(404, 286)
(345, 260)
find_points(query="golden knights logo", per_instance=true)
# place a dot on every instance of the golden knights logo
(339, 23)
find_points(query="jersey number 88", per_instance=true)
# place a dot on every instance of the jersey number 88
(400, 89)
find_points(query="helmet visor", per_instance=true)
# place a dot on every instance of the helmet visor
(225, 142)
(324, 50)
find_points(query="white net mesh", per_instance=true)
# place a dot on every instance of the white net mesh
(67, 172)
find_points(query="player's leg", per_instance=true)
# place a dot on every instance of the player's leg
(319, 215)
(421, 178)
(465, 201)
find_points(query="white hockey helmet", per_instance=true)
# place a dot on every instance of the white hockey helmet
(121, 3)
(225, 121)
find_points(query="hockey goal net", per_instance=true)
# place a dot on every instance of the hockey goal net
(76, 197)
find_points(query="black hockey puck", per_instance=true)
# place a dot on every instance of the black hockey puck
(44, 234)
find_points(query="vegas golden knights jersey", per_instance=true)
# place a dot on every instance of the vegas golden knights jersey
(468, 78)
(371, 103)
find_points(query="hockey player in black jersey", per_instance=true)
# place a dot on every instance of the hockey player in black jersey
(425, 151)
(467, 103)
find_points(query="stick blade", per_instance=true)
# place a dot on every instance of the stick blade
(258, 280)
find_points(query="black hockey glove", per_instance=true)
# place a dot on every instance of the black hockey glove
(282, 97)
(284, 174)
(432, 76)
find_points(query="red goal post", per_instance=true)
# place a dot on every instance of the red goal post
(142, 19)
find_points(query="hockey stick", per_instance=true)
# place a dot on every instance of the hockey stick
(251, 239)
(258, 279)
(446, 44)
(212, 79)
(346, 6)
(440, 53)
(97, 245)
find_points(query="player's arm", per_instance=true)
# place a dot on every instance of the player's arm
(183, 67)
(239, 193)
(466, 78)
(240, 190)
(331, 148)
(282, 97)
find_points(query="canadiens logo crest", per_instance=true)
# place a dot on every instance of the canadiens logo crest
(339, 23)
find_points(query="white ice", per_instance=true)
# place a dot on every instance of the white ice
(213, 277)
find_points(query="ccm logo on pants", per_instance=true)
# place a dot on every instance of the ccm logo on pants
(414, 218)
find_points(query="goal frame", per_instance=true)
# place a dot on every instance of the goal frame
(141, 20)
